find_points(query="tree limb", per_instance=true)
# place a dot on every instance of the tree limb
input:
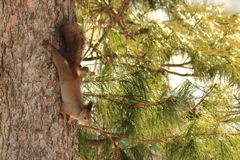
(123, 7)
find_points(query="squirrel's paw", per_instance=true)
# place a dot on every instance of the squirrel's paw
(84, 69)
(71, 121)
(91, 73)
(45, 43)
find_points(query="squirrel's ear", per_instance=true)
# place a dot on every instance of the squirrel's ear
(89, 105)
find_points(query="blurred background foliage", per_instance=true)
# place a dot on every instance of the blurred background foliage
(167, 80)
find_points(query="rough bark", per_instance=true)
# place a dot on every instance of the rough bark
(30, 126)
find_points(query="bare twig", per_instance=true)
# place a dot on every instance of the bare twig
(196, 107)
(176, 73)
(97, 43)
(175, 65)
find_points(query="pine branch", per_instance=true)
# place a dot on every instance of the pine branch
(97, 43)
(236, 98)
(176, 73)
(117, 18)
(106, 97)
(160, 69)
(230, 116)
(99, 57)
(175, 65)
(123, 7)
(96, 142)
(196, 107)
(139, 105)
(91, 40)
(157, 140)
(143, 105)
(105, 80)
(119, 137)
(91, 59)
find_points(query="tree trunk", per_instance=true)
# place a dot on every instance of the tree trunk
(30, 125)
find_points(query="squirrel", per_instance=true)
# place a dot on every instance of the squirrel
(71, 73)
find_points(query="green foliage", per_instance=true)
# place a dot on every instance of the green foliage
(134, 56)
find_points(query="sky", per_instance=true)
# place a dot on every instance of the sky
(231, 5)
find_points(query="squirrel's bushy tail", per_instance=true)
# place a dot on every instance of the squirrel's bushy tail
(73, 42)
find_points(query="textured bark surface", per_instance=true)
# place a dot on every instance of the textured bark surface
(30, 127)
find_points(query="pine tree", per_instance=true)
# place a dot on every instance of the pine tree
(139, 113)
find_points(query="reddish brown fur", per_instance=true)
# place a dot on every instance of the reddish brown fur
(71, 75)
(73, 43)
